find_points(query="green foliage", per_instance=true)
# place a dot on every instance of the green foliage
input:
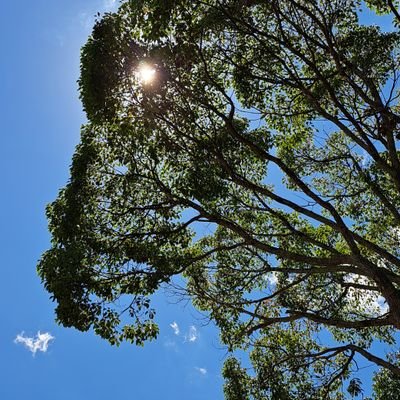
(386, 384)
(273, 124)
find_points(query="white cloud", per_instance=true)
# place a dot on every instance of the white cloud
(272, 278)
(175, 327)
(368, 301)
(202, 371)
(192, 335)
(34, 344)
(382, 305)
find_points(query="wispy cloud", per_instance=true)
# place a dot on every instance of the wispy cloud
(202, 371)
(192, 335)
(87, 18)
(34, 344)
(175, 327)
(170, 345)
(109, 5)
(272, 278)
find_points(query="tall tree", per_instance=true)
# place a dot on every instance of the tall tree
(275, 123)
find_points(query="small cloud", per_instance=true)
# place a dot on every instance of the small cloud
(202, 371)
(382, 305)
(193, 335)
(175, 327)
(272, 278)
(34, 344)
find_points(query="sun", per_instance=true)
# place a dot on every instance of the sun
(146, 73)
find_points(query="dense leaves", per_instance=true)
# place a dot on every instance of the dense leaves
(261, 164)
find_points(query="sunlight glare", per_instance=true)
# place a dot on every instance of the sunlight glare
(146, 73)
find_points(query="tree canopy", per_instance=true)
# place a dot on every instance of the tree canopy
(276, 125)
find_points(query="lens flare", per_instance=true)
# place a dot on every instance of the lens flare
(146, 73)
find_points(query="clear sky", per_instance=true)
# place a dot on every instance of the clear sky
(40, 121)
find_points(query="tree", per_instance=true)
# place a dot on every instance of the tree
(276, 124)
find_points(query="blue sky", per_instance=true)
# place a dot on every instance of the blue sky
(41, 118)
